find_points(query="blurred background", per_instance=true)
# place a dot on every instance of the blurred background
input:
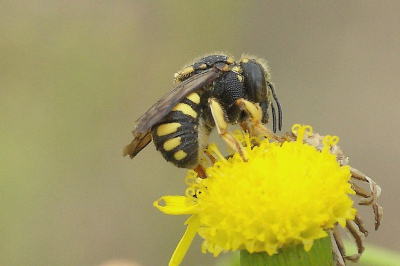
(75, 76)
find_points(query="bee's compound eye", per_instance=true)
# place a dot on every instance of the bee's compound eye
(254, 81)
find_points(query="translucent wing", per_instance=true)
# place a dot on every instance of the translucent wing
(141, 131)
(140, 141)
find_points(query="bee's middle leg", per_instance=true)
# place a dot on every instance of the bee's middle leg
(221, 123)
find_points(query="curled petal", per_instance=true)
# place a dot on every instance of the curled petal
(175, 205)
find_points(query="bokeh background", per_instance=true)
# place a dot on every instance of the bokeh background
(75, 75)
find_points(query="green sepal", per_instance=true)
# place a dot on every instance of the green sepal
(319, 254)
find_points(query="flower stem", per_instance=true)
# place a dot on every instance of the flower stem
(319, 254)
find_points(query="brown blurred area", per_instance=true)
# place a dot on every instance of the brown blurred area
(75, 75)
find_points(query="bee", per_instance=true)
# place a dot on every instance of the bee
(213, 92)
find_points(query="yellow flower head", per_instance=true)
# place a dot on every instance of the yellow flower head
(284, 194)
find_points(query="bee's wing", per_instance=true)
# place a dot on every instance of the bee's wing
(138, 143)
(141, 131)
(172, 98)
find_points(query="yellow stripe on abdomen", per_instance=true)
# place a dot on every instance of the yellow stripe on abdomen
(194, 97)
(179, 155)
(172, 143)
(168, 128)
(186, 109)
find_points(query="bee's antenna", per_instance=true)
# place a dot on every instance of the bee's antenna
(273, 117)
(273, 109)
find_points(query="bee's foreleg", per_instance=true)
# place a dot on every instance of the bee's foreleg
(255, 112)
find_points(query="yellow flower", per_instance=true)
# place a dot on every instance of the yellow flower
(284, 194)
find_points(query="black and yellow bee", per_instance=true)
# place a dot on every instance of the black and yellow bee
(212, 92)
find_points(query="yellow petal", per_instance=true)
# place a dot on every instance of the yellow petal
(193, 225)
(175, 205)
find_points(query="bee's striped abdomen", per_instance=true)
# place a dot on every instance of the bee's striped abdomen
(176, 135)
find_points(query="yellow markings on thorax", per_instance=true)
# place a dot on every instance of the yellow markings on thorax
(194, 97)
(202, 66)
(236, 69)
(179, 155)
(172, 143)
(186, 109)
(230, 60)
(184, 72)
(226, 68)
(166, 129)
